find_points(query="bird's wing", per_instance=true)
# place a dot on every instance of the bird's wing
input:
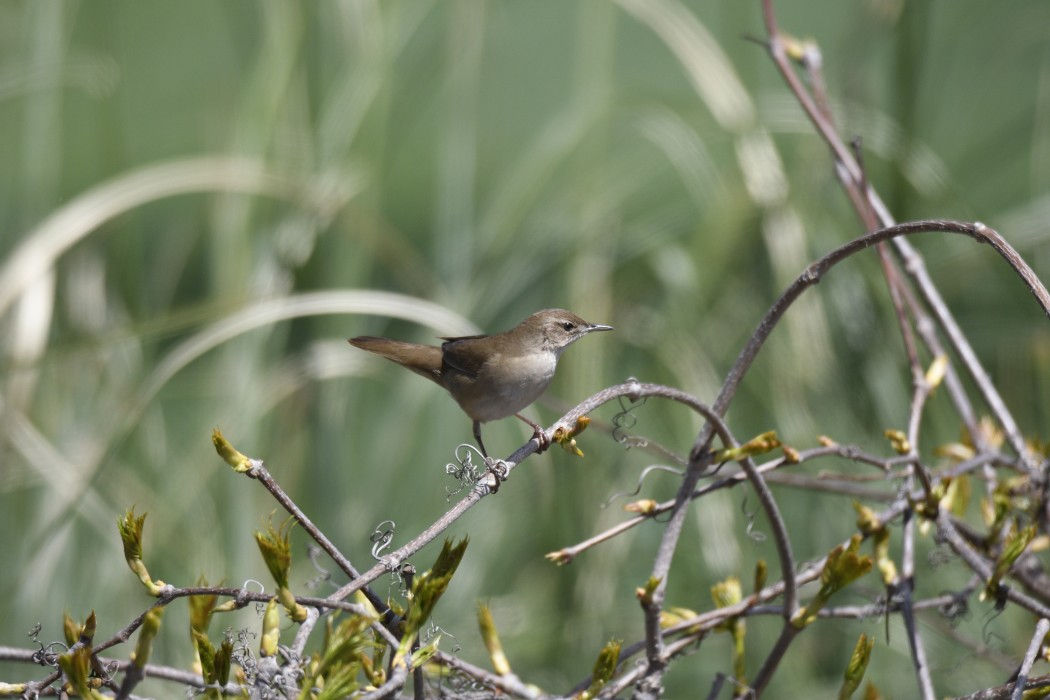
(452, 339)
(464, 356)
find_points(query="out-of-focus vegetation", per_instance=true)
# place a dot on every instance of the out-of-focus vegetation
(201, 184)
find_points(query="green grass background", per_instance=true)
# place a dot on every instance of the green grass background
(492, 158)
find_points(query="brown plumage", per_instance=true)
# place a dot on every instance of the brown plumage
(492, 376)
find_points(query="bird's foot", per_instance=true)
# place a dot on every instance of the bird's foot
(540, 436)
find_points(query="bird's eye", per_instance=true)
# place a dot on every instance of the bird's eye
(568, 325)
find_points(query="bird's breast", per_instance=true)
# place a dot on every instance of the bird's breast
(504, 385)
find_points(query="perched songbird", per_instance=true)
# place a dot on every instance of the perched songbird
(492, 376)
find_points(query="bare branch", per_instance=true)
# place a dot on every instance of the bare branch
(864, 198)
(1041, 628)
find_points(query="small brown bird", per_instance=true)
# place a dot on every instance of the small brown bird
(492, 376)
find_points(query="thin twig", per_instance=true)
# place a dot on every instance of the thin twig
(905, 585)
(851, 177)
(484, 488)
(780, 536)
(1041, 628)
(815, 272)
(1005, 692)
(509, 684)
(981, 567)
(850, 452)
(165, 673)
(925, 329)
(394, 683)
(811, 276)
(260, 473)
(693, 628)
(306, 628)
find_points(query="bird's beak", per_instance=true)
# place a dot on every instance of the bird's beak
(598, 327)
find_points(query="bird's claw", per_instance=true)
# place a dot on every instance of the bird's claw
(541, 437)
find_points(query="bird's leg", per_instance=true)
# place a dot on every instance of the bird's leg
(497, 467)
(537, 432)
(477, 436)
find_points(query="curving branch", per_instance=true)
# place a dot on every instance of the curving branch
(866, 200)
(815, 272)
(633, 390)
(811, 276)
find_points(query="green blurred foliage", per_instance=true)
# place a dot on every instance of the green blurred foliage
(493, 158)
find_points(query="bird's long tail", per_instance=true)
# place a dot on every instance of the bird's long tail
(424, 360)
